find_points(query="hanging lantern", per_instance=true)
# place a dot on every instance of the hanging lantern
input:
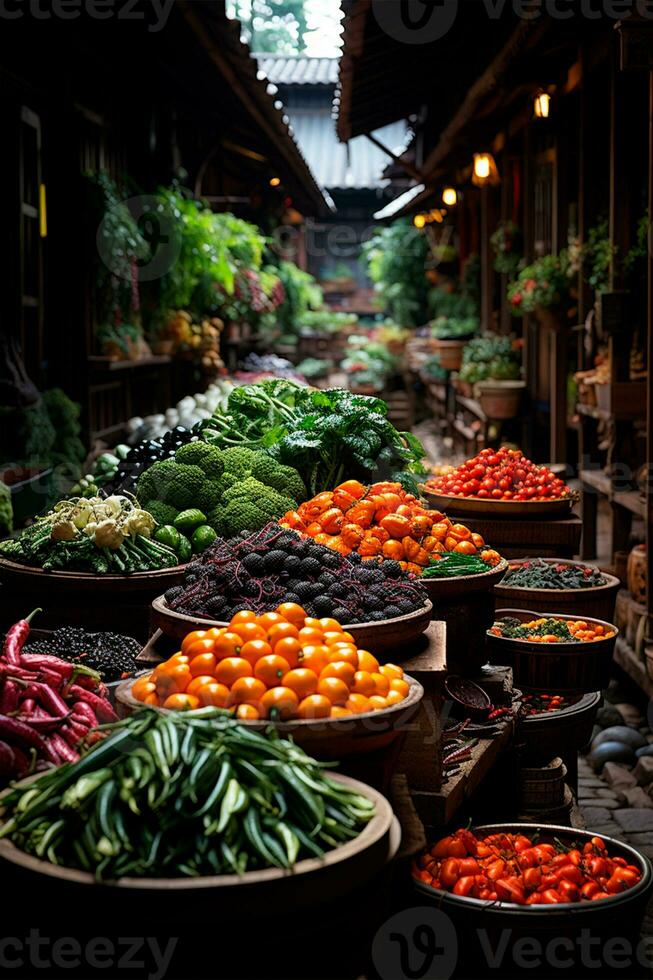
(275, 181)
(542, 105)
(419, 220)
(485, 170)
(450, 197)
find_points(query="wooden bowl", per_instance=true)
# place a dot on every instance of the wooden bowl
(311, 881)
(387, 636)
(460, 585)
(598, 600)
(468, 696)
(324, 738)
(498, 508)
(566, 668)
(96, 602)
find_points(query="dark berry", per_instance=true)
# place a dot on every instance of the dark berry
(391, 612)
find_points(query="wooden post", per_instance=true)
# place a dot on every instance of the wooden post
(487, 272)
(649, 383)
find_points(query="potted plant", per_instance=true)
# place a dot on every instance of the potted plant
(492, 366)
(543, 289)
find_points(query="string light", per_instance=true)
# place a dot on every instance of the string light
(419, 220)
(450, 196)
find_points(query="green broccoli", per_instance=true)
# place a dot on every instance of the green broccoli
(216, 521)
(162, 513)
(265, 468)
(208, 458)
(274, 504)
(242, 515)
(226, 481)
(239, 461)
(152, 484)
(250, 488)
(209, 496)
(289, 483)
(184, 486)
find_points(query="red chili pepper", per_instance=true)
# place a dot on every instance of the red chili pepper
(9, 697)
(84, 712)
(15, 730)
(102, 708)
(16, 637)
(67, 753)
(50, 699)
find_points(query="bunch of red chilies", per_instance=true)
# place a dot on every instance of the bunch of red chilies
(508, 867)
(47, 706)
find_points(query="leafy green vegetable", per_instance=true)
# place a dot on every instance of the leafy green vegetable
(326, 435)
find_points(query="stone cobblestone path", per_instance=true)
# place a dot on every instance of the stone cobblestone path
(618, 802)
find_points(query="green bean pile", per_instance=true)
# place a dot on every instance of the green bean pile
(183, 794)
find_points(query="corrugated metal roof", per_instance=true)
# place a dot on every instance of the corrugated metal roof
(339, 166)
(298, 70)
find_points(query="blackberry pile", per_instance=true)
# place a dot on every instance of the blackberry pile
(260, 571)
(112, 655)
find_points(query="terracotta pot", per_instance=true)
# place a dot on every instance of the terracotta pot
(450, 353)
(500, 399)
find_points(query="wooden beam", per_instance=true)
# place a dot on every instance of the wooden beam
(404, 164)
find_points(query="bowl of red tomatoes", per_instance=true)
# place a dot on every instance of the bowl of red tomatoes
(501, 481)
(546, 881)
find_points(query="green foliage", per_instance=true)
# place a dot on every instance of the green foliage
(491, 356)
(313, 368)
(326, 436)
(638, 252)
(508, 245)
(454, 328)
(275, 26)
(396, 257)
(301, 296)
(451, 305)
(6, 510)
(121, 244)
(597, 254)
(368, 363)
(544, 283)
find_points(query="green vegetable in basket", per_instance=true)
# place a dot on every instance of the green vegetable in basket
(188, 520)
(203, 537)
(168, 535)
(184, 549)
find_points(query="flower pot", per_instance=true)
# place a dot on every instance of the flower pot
(636, 573)
(500, 399)
(450, 353)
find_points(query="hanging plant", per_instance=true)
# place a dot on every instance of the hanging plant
(508, 245)
(543, 284)
(598, 253)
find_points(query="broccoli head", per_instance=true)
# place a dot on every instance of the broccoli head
(289, 483)
(274, 504)
(239, 461)
(162, 513)
(215, 520)
(209, 496)
(265, 468)
(208, 458)
(184, 486)
(250, 488)
(227, 480)
(153, 482)
(242, 515)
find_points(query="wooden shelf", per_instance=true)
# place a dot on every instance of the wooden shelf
(472, 406)
(627, 659)
(630, 500)
(438, 809)
(100, 363)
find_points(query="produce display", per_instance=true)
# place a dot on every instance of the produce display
(227, 491)
(502, 474)
(89, 534)
(203, 795)
(326, 435)
(111, 655)
(539, 574)
(551, 630)
(279, 665)
(507, 867)
(453, 564)
(259, 571)
(384, 521)
(540, 703)
(47, 706)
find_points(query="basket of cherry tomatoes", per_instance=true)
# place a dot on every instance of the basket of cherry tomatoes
(501, 481)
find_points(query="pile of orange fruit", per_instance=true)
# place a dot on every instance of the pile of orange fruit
(383, 521)
(279, 665)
